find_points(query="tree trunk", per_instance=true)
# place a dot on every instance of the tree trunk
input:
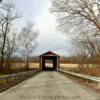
(27, 64)
(3, 48)
(2, 58)
(8, 64)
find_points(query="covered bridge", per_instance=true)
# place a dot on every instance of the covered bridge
(49, 61)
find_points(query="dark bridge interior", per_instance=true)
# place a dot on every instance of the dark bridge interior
(47, 67)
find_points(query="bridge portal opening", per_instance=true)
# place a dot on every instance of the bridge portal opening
(49, 61)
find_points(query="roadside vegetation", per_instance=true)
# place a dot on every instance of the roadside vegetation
(72, 64)
(12, 41)
(81, 19)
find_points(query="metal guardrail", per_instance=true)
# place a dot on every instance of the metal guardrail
(18, 76)
(87, 77)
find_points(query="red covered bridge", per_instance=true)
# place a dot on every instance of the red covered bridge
(49, 57)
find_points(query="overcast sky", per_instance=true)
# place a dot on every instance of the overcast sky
(49, 38)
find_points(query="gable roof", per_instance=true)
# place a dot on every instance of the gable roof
(49, 53)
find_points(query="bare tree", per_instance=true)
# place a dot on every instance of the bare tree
(27, 39)
(7, 17)
(82, 18)
(11, 48)
(88, 50)
(75, 14)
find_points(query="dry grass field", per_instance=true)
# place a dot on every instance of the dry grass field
(36, 65)
(71, 67)
(94, 71)
(22, 65)
(64, 65)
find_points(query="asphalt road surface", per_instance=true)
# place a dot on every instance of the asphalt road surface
(49, 86)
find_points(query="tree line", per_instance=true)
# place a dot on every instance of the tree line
(81, 19)
(11, 41)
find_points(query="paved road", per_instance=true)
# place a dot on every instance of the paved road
(49, 86)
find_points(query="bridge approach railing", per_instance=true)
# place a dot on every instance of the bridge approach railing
(82, 76)
(18, 76)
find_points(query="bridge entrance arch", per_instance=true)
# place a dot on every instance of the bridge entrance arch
(49, 61)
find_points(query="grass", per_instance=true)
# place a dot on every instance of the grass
(19, 67)
(2, 74)
(22, 65)
(74, 67)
